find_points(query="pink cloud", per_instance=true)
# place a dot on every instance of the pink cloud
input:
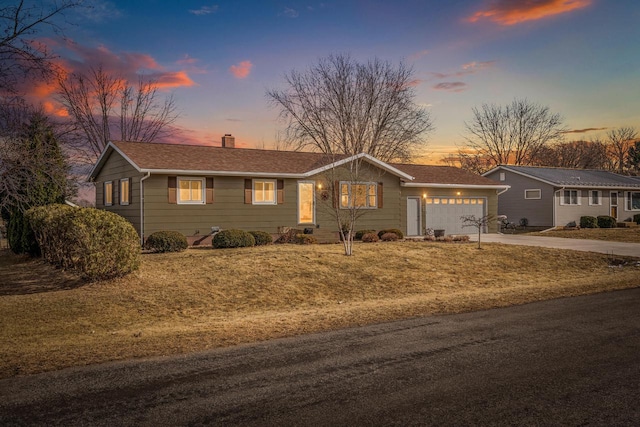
(418, 55)
(509, 12)
(241, 70)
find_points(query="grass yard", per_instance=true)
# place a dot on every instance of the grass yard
(630, 235)
(205, 298)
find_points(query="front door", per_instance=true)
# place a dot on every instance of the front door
(413, 216)
(613, 202)
(306, 203)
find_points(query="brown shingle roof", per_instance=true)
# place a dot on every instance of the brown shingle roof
(428, 174)
(217, 159)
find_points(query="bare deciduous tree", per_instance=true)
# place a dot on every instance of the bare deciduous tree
(480, 223)
(573, 154)
(511, 134)
(618, 143)
(103, 106)
(20, 55)
(344, 108)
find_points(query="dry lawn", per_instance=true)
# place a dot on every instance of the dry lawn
(205, 298)
(630, 235)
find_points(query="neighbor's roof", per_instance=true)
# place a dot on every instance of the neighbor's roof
(564, 177)
(428, 174)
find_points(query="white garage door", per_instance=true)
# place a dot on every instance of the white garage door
(443, 213)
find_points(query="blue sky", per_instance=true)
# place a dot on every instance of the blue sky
(579, 57)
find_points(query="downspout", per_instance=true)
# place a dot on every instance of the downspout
(142, 207)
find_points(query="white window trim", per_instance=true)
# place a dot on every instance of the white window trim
(104, 191)
(124, 202)
(350, 194)
(275, 192)
(191, 202)
(627, 201)
(313, 183)
(591, 198)
(533, 198)
(578, 198)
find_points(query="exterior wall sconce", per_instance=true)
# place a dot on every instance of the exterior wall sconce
(458, 193)
(424, 195)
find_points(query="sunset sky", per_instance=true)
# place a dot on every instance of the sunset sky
(579, 57)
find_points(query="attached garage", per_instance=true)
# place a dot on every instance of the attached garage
(443, 213)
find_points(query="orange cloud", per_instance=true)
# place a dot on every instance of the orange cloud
(241, 70)
(169, 80)
(509, 12)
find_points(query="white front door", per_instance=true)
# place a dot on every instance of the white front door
(413, 216)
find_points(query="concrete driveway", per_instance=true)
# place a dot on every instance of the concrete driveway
(614, 248)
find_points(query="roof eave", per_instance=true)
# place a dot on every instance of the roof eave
(221, 173)
(379, 163)
(468, 186)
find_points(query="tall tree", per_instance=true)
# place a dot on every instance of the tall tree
(619, 141)
(104, 106)
(341, 107)
(511, 134)
(33, 170)
(633, 158)
(21, 56)
(573, 154)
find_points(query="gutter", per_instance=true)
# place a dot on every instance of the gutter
(142, 207)
(467, 186)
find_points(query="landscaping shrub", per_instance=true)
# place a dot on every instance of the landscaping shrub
(360, 233)
(370, 238)
(636, 218)
(391, 230)
(448, 238)
(389, 237)
(305, 239)
(524, 222)
(429, 238)
(461, 238)
(20, 235)
(262, 238)
(95, 243)
(588, 222)
(605, 221)
(289, 237)
(233, 239)
(166, 241)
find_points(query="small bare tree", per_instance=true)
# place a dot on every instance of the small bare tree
(103, 106)
(479, 223)
(511, 134)
(20, 55)
(618, 143)
(343, 108)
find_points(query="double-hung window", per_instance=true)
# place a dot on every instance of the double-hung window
(633, 200)
(570, 197)
(125, 191)
(358, 195)
(595, 197)
(264, 192)
(191, 190)
(108, 193)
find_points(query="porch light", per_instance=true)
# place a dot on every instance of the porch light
(319, 186)
(424, 195)
(458, 193)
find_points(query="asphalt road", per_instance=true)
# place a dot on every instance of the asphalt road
(573, 361)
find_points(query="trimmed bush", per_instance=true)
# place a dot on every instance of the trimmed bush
(605, 221)
(636, 218)
(233, 239)
(588, 222)
(370, 238)
(360, 234)
(289, 236)
(391, 230)
(262, 238)
(389, 237)
(305, 239)
(166, 241)
(95, 243)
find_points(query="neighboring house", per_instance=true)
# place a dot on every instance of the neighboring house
(553, 197)
(190, 189)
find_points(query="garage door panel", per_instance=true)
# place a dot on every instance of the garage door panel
(446, 216)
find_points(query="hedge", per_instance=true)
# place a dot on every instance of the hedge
(233, 238)
(588, 222)
(166, 241)
(605, 221)
(95, 243)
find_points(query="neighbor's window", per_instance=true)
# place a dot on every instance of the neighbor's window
(595, 197)
(264, 192)
(108, 193)
(532, 194)
(125, 188)
(570, 197)
(633, 200)
(190, 190)
(358, 195)
(502, 178)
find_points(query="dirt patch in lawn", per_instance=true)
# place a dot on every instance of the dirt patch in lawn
(204, 298)
(629, 235)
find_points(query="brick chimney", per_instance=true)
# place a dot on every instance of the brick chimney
(228, 141)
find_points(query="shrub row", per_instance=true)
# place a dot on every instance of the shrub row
(95, 243)
(297, 237)
(234, 238)
(359, 235)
